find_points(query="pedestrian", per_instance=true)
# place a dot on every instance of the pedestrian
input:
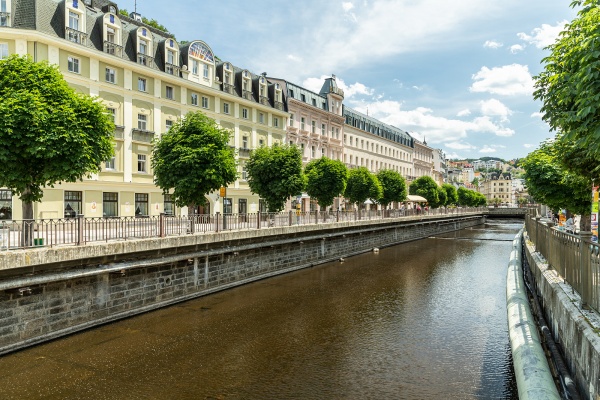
(569, 225)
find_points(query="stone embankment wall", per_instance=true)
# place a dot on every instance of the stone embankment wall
(47, 293)
(575, 329)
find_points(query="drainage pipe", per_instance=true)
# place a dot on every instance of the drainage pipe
(532, 372)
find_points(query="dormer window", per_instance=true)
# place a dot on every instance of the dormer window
(76, 22)
(144, 48)
(202, 62)
(4, 14)
(171, 57)
(112, 9)
(112, 35)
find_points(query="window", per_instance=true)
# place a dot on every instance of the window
(312, 152)
(245, 113)
(324, 105)
(226, 108)
(141, 204)
(73, 20)
(169, 205)
(110, 204)
(111, 75)
(291, 119)
(194, 99)
(4, 15)
(141, 163)
(302, 123)
(322, 152)
(110, 163)
(244, 142)
(261, 142)
(142, 84)
(3, 50)
(170, 57)
(169, 92)
(205, 71)
(168, 125)
(194, 67)
(303, 97)
(227, 205)
(73, 64)
(275, 122)
(112, 113)
(323, 129)
(204, 102)
(244, 172)
(143, 47)
(5, 204)
(313, 126)
(72, 204)
(110, 35)
(142, 120)
(242, 206)
(314, 102)
(261, 118)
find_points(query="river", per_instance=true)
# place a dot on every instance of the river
(420, 320)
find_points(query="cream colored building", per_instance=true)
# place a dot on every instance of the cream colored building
(498, 186)
(423, 159)
(147, 81)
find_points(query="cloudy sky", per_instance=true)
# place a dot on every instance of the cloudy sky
(457, 73)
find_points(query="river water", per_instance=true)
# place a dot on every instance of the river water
(421, 320)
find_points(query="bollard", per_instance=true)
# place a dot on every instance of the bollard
(80, 222)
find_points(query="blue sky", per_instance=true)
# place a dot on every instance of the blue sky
(458, 73)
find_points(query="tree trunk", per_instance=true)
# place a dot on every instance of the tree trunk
(27, 231)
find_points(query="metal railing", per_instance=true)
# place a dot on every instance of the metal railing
(113, 48)
(574, 257)
(17, 234)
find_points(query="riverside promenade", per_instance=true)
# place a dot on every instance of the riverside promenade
(50, 291)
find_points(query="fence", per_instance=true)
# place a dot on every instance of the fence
(81, 230)
(575, 257)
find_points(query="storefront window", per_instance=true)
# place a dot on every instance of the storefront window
(141, 204)
(5, 204)
(110, 204)
(73, 202)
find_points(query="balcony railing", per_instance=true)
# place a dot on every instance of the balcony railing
(141, 135)
(4, 19)
(246, 94)
(264, 100)
(145, 59)
(119, 131)
(337, 91)
(75, 36)
(227, 88)
(172, 69)
(244, 152)
(113, 48)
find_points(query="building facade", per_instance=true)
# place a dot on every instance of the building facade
(497, 186)
(147, 81)
(423, 159)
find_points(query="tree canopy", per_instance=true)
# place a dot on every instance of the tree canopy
(569, 85)
(325, 180)
(426, 187)
(193, 158)
(362, 185)
(275, 174)
(451, 195)
(393, 186)
(548, 182)
(470, 198)
(49, 133)
(150, 22)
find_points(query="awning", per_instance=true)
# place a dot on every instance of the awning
(415, 198)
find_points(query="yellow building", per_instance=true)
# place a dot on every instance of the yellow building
(147, 81)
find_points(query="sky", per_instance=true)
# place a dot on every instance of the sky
(458, 74)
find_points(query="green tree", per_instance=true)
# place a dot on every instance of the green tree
(193, 159)
(475, 182)
(150, 22)
(496, 201)
(325, 180)
(466, 197)
(49, 133)
(550, 183)
(426, 187)
(442, 196)
(451, 195)
(569, 85)
(362, 185)
(393, 187)
(275, 174)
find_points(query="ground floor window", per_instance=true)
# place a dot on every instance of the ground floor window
(110, 204)
(73, 202)
(5, 204)
(242, 206)
(169, 205)
(227, 206)
(262, 206)
(141, 204)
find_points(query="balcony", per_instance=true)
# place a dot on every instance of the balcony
(279, 105)
(145, 59)
(113, 48)
(244, 152)
(4, 19)
(337, 91)
(227, 88)
(172, 69)
(246, 94)
(119, 131)
(315, 135)
(75, 36)
(292, 129)
(142, 135)
(264, 100)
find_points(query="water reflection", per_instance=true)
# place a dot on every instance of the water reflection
(421, 320)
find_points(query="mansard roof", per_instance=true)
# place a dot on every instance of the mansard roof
(376, 127)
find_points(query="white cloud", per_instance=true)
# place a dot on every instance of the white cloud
(454, 156)
(459, 146)
(487, 149)
(315, 84)
(493, 107)
(492, 44)
(292, 57)
(347, 6)
(537, 115)
(528, 145)
(464, 113)
(508, 80)
(543, 36)
(516, 48)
